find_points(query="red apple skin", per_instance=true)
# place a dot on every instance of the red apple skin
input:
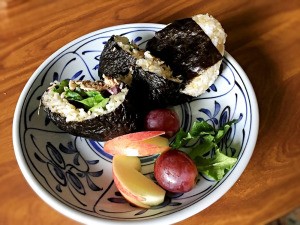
(175, 171)
(137, 201)
(137, 144)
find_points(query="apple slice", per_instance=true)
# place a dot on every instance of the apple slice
(138, 144)
(133, 185)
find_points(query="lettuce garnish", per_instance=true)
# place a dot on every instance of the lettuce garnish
(207, 139)
(90, 100)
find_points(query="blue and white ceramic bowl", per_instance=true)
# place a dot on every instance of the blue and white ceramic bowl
(74, 175)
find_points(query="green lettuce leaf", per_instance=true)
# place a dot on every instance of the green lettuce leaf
(73, 95)
(181, 139)
(92, 101)
(215, 167)
(93, 93)
(206, 145)
(101, 104)
(89, 99)
(61, 87)
(201, 128)
(206, 138)
(223, 130)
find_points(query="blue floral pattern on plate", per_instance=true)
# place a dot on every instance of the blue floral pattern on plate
(77, 172)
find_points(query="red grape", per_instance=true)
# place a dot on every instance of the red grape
(164, 120)
(175, 171)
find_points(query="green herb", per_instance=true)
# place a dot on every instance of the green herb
(207, 138)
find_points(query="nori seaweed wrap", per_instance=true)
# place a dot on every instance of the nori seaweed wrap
(155, 91)
(185, 47)
(117, 57)
(99, 110)
(192, 47)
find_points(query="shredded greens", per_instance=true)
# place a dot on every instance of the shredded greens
(208, 138)
(90, 100)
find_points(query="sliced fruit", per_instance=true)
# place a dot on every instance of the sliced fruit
(133, 185)
(138, 144)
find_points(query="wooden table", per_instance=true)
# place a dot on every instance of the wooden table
(263, 36)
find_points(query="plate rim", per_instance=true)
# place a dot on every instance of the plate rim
(89, 219)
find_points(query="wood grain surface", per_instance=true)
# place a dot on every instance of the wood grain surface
(263, 36)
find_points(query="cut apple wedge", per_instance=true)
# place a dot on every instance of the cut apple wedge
(138, 144)
(133, 185)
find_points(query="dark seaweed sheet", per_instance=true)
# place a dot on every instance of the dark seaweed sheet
(185, 47)
(114, 61)
(154, 91)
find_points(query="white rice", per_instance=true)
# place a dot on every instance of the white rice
(155, 65)
(213, 29)
(199, 84)
(57, 104)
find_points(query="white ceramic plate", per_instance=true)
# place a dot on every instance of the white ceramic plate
(74, 175)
